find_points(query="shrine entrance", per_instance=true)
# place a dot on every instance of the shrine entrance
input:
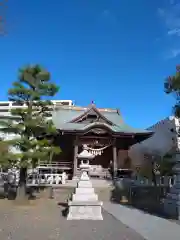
(102, 152)
(104, 159)
(103, 131)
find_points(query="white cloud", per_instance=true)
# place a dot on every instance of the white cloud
(170, 17)
(173, 53)
(175, 31)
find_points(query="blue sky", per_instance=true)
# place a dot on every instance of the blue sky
(115, 52)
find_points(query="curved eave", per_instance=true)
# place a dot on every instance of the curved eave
(140, 136)
(143, 136)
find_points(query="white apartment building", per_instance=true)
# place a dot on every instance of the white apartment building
(6, 106)
(164, 139)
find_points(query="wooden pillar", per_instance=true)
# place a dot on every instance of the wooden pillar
(114, 159)
(75, 157)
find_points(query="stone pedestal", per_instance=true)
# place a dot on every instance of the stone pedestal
(85, 210)
(84, 204)
(172, 200)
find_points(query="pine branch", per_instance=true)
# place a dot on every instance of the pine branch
(172, 86)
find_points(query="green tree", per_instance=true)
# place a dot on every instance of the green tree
(166, 165)
(172, 86)
(33, 123)
(7, 158)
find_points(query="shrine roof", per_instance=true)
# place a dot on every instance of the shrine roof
(63, 120)
(67, 114)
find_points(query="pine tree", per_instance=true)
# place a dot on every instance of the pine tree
(7, 159)
(172, 86)
(31, 124)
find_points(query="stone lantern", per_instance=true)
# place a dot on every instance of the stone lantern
(84, 157)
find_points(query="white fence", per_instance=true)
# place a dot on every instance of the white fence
(47, 179)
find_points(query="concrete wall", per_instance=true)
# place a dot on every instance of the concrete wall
(162, 141)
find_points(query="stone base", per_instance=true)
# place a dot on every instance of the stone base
(85, 211)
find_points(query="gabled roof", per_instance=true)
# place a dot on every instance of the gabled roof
(65, 119)
(91, 110)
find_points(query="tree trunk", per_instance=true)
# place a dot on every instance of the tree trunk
(153, 175)
(21, 191)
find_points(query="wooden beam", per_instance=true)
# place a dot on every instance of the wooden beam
(114, 158)
(75, 157)
(94, 137)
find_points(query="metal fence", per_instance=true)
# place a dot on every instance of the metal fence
(168, 181)
(143, 193)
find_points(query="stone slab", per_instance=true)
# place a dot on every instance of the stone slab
(85, 203)
(86, 184)
(85, 212)
(84, 190)
(84, 197)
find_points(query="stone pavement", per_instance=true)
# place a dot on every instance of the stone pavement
(43, 221)
(148, 226)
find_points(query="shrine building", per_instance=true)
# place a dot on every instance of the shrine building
(101, 130)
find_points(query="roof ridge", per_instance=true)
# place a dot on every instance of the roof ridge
(80, 108)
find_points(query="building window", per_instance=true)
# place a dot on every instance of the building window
(172, 130)
(4, 104)
(4, 110)
(17, 104)
(65, 103)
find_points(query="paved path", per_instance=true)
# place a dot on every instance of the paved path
(43, 221)
(149, 226)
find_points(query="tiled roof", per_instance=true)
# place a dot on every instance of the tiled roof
(63, 116)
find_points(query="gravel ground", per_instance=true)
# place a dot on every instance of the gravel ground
(42, 219)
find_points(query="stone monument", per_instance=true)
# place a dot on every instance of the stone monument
(84, 203)
(172, 200)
